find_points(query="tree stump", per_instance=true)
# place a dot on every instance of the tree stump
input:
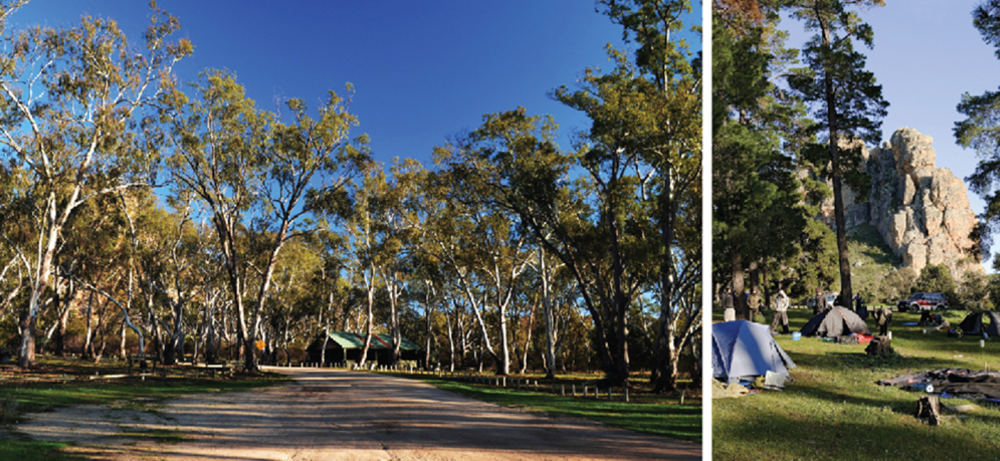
(929, 408)
(880, 346)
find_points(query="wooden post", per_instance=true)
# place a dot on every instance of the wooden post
(574, 390)
(626, 394)
(562, 389)
(929, 408)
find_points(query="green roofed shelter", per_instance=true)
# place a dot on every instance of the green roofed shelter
(344, 346)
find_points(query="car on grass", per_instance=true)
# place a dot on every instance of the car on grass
(831, 299)
(923, 301)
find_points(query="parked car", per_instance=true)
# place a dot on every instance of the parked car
(831, 299)
(921, 301)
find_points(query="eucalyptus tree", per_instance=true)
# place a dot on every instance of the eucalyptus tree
(259, 179)
(650, 108)
(845, 99)
(75, 114)
(513, 162)
(484, 251)
(395, 207)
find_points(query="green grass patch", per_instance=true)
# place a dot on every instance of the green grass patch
(667, 417)
(26, 450)
(833, 409)
(132, 393)
(35, 397)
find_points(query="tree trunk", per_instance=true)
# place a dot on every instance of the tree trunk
(550, 347)
(836, 177)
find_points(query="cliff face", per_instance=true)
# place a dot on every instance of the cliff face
(922, 211)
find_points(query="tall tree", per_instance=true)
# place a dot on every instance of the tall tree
(981, 130)
(650, 109)
(75, 106)
(759, 213)
(847, 103)
(239, 160)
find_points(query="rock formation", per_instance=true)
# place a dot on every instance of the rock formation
(921, 211)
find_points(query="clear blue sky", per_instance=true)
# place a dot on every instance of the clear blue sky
(926, 54)
(423, 71)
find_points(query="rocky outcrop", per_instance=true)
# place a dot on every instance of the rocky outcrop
(922, 211)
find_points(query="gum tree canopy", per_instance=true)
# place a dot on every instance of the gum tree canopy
(77, 120)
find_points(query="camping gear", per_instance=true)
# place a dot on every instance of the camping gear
(834, 322)
(973, 323)
(953, 382)
(742, 349)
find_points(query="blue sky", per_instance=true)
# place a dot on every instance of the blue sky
(926, 55)
(422, 71)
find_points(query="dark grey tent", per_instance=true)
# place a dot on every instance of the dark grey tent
(834, 322)
(973, 324)
(742, 349)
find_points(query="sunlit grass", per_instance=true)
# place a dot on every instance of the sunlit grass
(834, 410)
(665, 417)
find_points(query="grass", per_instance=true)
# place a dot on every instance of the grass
(834, 410)
(131, 393)
(664, 416)
(159, 436)
(28, 450)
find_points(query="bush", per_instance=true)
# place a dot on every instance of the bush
(936, 278)
(973, 292)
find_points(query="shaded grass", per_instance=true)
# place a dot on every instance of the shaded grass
(665, 419)
(133, 393)
(36, 397)
(26, 450)
(834, 410)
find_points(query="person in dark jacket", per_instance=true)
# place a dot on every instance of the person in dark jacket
(859, 307)
(728, 311)
(820, 305)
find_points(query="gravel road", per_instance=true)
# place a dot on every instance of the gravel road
(340, 415)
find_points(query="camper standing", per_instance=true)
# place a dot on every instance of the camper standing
(820, 304)
(729, 312)
(780, 312)
(754, 302)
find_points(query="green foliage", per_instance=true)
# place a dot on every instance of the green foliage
(937, 278)
(973, 292)
(980, 131)
(846, 101)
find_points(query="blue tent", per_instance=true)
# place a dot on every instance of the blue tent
(745, 349)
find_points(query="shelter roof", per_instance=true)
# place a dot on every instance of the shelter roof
(380, 341)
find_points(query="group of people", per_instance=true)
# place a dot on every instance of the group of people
(882, 316)
(753, 308)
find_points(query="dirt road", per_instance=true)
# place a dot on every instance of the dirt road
(339, 415)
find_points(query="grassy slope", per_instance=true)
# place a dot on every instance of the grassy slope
(870, 258)
(834, 410)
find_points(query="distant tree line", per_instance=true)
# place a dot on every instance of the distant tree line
(138, 215)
